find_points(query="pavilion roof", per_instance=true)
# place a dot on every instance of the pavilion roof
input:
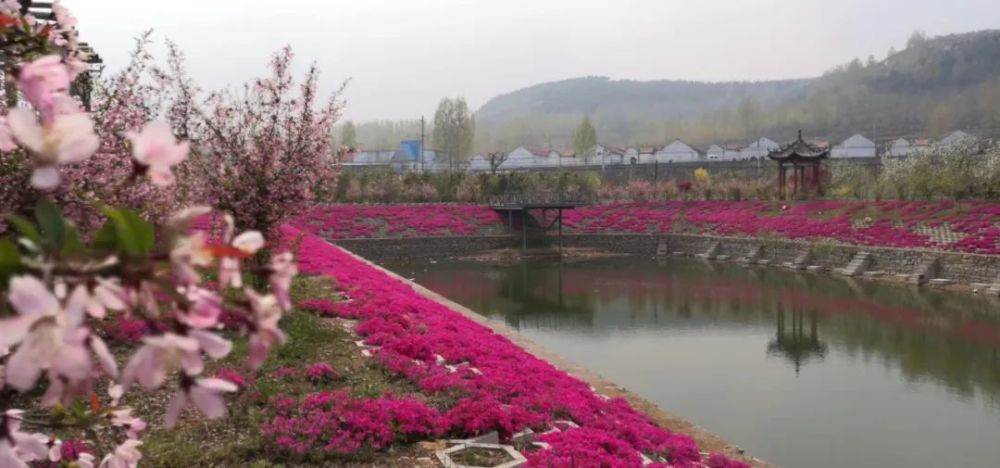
(799, 150)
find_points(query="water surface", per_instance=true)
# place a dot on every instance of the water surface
(802, 370)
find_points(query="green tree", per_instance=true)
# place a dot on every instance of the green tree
(454, 129)
(585, 138)
(349, 135)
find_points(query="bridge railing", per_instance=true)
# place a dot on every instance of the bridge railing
(540, 198)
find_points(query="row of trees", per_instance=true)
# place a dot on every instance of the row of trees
(946, 175)
(453, 131)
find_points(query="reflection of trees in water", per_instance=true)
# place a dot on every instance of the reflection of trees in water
(948, 338)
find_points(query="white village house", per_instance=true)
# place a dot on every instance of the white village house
(759, 149)
(900, 147)
(957, 140)
(519, 158)
(479, 163)
(678, 151)
(715, 153)
(857, 146)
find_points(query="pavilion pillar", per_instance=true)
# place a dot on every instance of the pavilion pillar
(795, 180)
(819, 182)
(781, 181)
(802, 181)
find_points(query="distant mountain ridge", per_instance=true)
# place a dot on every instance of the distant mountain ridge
(932, 86)
(662, 98)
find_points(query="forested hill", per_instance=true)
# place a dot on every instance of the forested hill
(932, 86)
(662, 99)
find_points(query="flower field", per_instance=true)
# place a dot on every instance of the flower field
(971, 227)
(492, 384)
(404, 220)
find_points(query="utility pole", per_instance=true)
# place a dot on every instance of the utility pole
(422, 168)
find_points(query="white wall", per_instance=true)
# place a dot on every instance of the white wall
(856, 146)
(677, 151)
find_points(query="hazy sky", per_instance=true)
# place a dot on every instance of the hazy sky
(403, 56)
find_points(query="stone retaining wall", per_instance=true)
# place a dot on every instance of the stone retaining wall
(958, 267)
(426, 247)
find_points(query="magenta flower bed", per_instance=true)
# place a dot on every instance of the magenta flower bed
(499, 386)
(883, 224)
(976, 225)
(413, 220)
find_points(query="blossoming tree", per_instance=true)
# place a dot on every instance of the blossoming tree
(263, 153)
(61, 280)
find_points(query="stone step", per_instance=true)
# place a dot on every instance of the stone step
(927, 269)
(661, 248)
(861, 262)
(801, 261)
(712, 252)
(754, 255)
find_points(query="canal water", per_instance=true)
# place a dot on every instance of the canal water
(802, 370)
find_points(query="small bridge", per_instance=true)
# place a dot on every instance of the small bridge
(518, 206)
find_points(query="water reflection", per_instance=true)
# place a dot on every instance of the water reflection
(950, 339)
(793, 342)
(803, 370)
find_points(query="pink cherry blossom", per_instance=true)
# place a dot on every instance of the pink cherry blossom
(10, 6)
(43, 79)
(247, 243)
(6, 136)
(16, 447)
(265, 333)
(105, 294)
(179, 220)
(160, 355)
(47, 335)
(69, 139)
(85, 460)
(212, 344)
(189, 252)
(115, 391)
(123, 418)
(126, 455)
(283, 270)
(206, 394)
(204, 309)
(156, 149)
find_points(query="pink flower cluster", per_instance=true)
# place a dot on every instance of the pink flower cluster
(974, 227)
(502, 387)
(335, 423)
(320, 372)
(319, 306)
(232, 375)
(360, 221)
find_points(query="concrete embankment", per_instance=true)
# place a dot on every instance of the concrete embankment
(938, 268)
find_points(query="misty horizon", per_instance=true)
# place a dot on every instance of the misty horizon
(403, 58)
